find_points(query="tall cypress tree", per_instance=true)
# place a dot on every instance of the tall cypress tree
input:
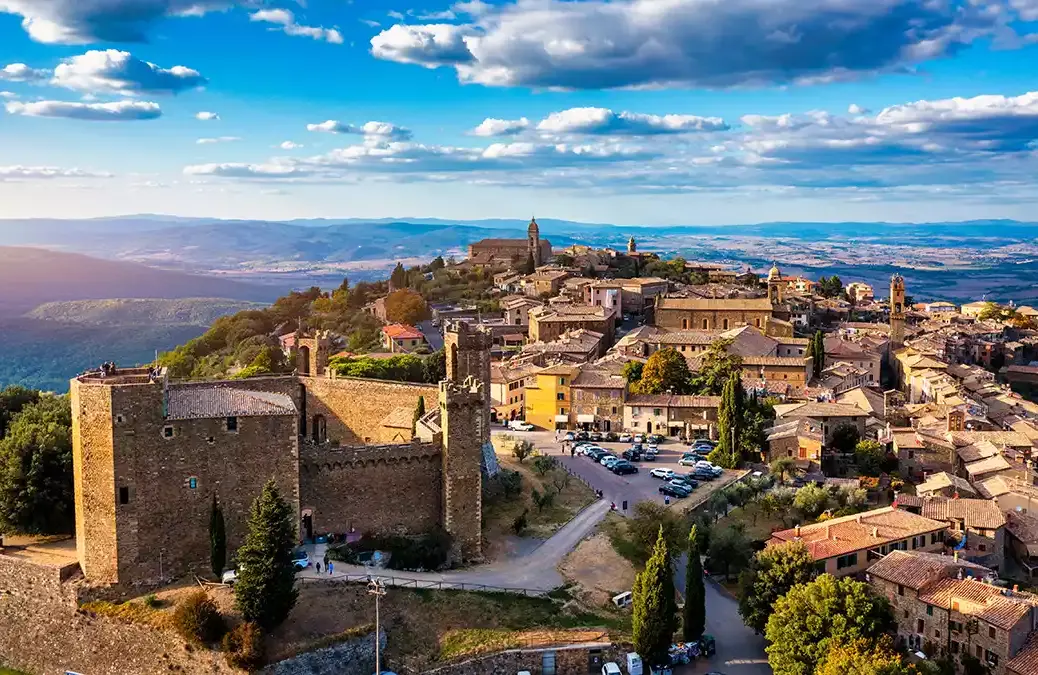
(419, 410)
(655, 611)
(265, 591)
(694, 619)
(818, 353)
(217, 539)
(729, 419)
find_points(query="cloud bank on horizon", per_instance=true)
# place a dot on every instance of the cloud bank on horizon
(668, 110)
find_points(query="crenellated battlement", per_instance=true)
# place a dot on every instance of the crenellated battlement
(329, 458)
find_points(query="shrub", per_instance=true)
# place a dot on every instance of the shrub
(152, 602)
(198, 620)
(243, 647)
(519, 524)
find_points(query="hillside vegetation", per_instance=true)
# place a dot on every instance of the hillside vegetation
(142, 311)
(30, 277)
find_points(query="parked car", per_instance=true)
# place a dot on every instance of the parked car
(623, 468)
(608, 459)
(520, 425)
(300, 558)
(569, 437)
(612, 436)
(631, 455)
(671, 490)
(611, 669)
(595, 435)
(651, 455)
(595, 454)
(688, 481)
(653, 446)
(679, 483)
(626, 437)
(688, 460)
(636, 446)
(583, 436)
(638, 438)
(663, 474)
(703, 474)
(655, 438)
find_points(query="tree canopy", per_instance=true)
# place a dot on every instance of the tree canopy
(265, 590)
(406, 306)
(716, 368)
(830, 287)
(772, 572)
(865, 657)
(729, 424)
(666, 372)
(36, 468)
(812, 617)
(693, 621)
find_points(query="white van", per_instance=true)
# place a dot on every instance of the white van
(634, 664)
(611, 669)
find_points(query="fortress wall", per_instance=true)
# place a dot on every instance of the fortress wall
(163, 529)
(93, 482)
(354, 408)
(380, 488)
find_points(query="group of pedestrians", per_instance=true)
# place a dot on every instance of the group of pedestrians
(328, 565)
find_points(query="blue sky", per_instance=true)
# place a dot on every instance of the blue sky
(635, 112)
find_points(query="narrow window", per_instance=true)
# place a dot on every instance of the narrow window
(167, 431)
(991, 632)
(124, 495)
(232, 424)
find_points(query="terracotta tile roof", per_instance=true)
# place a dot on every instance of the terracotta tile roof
(1026, 660)
(863, 531)
(907, 439)
(989, 465)
(916, 569)
(981, 450)
(399, 418)
(791, 361)
(194, 402)
(943, 480)
(797, 428)
(598, 379)
(817, 409)
(993, 605)
(1024, 528)
(689, 337)
(400, 331)
(1011, 438)
(982, 513)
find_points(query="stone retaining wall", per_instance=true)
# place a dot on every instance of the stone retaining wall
(569, 660)
(353, 657)
(41, 583)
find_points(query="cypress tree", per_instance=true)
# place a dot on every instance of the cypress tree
(655, 611)
(265, 590)
(818, 353)
(217, 539)
(419, 410)
(729, 419)
(694, 619)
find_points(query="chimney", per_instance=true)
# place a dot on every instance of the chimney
(956, 556)
(1016, 588)
(875, 532)
(796, 531)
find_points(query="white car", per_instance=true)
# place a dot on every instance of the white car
(611, 669)
(520, 426)
(625, 437)
(638, 438)
(609, 461)
(663, 474)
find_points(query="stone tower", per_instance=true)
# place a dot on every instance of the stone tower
(775, 285)
(897, 311)
(312, 351)
(632, 247)
(468, 355)
(464, 425)
(533, 236)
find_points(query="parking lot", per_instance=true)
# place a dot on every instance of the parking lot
(635, 487)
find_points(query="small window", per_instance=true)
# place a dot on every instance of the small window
(192, 483)
(936, 633)
(983, 547)
(232, 424)
(124, 495)
(991, 632)
(560, 396)
(562, 381)
(991, 657)
(954, 647)
(614, 409)
(919, 626)
(657, 412)
(929, 610)
(167, 431)
(119, 419)
(706, 324)
(725, 323)
(900, 589)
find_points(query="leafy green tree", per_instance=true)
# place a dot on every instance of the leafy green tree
(647, 520)
(869, 456)
(437, 264)
(729, 419)
(971, 665)
(666, 372)
(830, 287)
(435, 367)
(772, 572)
(694, 615)
(758, 416)
(812, 617)
(716, 368)
(632, 373)
(544, 463)
(811, 500)
(730, 550)
(845, 438)
(12, 399)
(782, 468)
(265, 590)
(217, 539)
(655, 610)
(36, 469)
(521, 450)
(865, 657)
(407, 307)
(717, 504)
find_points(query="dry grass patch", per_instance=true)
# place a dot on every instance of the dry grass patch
(131, 611)
(596, 569)
(466, 643)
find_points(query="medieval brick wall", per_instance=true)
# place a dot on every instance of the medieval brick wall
(607, 405)
(36, 582)
(461, 417)
(93, 480)
(352, 409)
(379, 489)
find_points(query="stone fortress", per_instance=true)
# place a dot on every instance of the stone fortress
(149, 454)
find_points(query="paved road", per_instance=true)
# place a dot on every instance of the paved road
(535, 571)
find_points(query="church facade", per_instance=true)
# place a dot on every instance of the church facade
(507, 251)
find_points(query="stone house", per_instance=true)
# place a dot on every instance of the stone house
(828, 416)
(799, 439)
(598, 399)
(978, 525)
(839, 349)
(574, 346)
(606, 293)
(398, 337)
(544, 283)
(849, 545)
(638, 293)
(548, 323)
(517, 309)
(672, 415)
(715, 313)
(944, 484)
(937, 598)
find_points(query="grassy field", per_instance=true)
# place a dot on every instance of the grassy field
(758, 526)
(500, 514)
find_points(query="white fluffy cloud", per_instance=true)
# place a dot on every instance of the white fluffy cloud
(855, 109)
(289, 145)
(13, 173)
(217, 139)
(606, 122)
(287, 21)
(87, 21)
(207, 116)
(19, 72)
(599, 44)
(113, 71)
(495, 127)
(375, 130)
(117, 111)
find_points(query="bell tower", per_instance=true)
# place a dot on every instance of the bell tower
(632, 246)
(775, 285)
(533, 237)
(897, 311)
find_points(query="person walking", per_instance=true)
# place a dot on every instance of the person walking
(318, 564)
(326, 560)
(331, 569)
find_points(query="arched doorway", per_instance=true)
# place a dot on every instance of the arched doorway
(319, 429)
(304, 360)
(648, 427)
(307, 528)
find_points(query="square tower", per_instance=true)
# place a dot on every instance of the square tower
(897, 311)
(463, 425)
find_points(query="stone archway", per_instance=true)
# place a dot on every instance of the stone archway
(304, 360)
(319, 429)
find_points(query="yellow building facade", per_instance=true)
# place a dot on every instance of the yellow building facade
(548, 400)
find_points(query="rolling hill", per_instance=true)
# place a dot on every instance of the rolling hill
(141, 311)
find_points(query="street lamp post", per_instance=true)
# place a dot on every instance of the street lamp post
(377, 588)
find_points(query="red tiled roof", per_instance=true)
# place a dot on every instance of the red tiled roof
(916, 569)
(871, 529)
(991, 604)
(400, 331)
